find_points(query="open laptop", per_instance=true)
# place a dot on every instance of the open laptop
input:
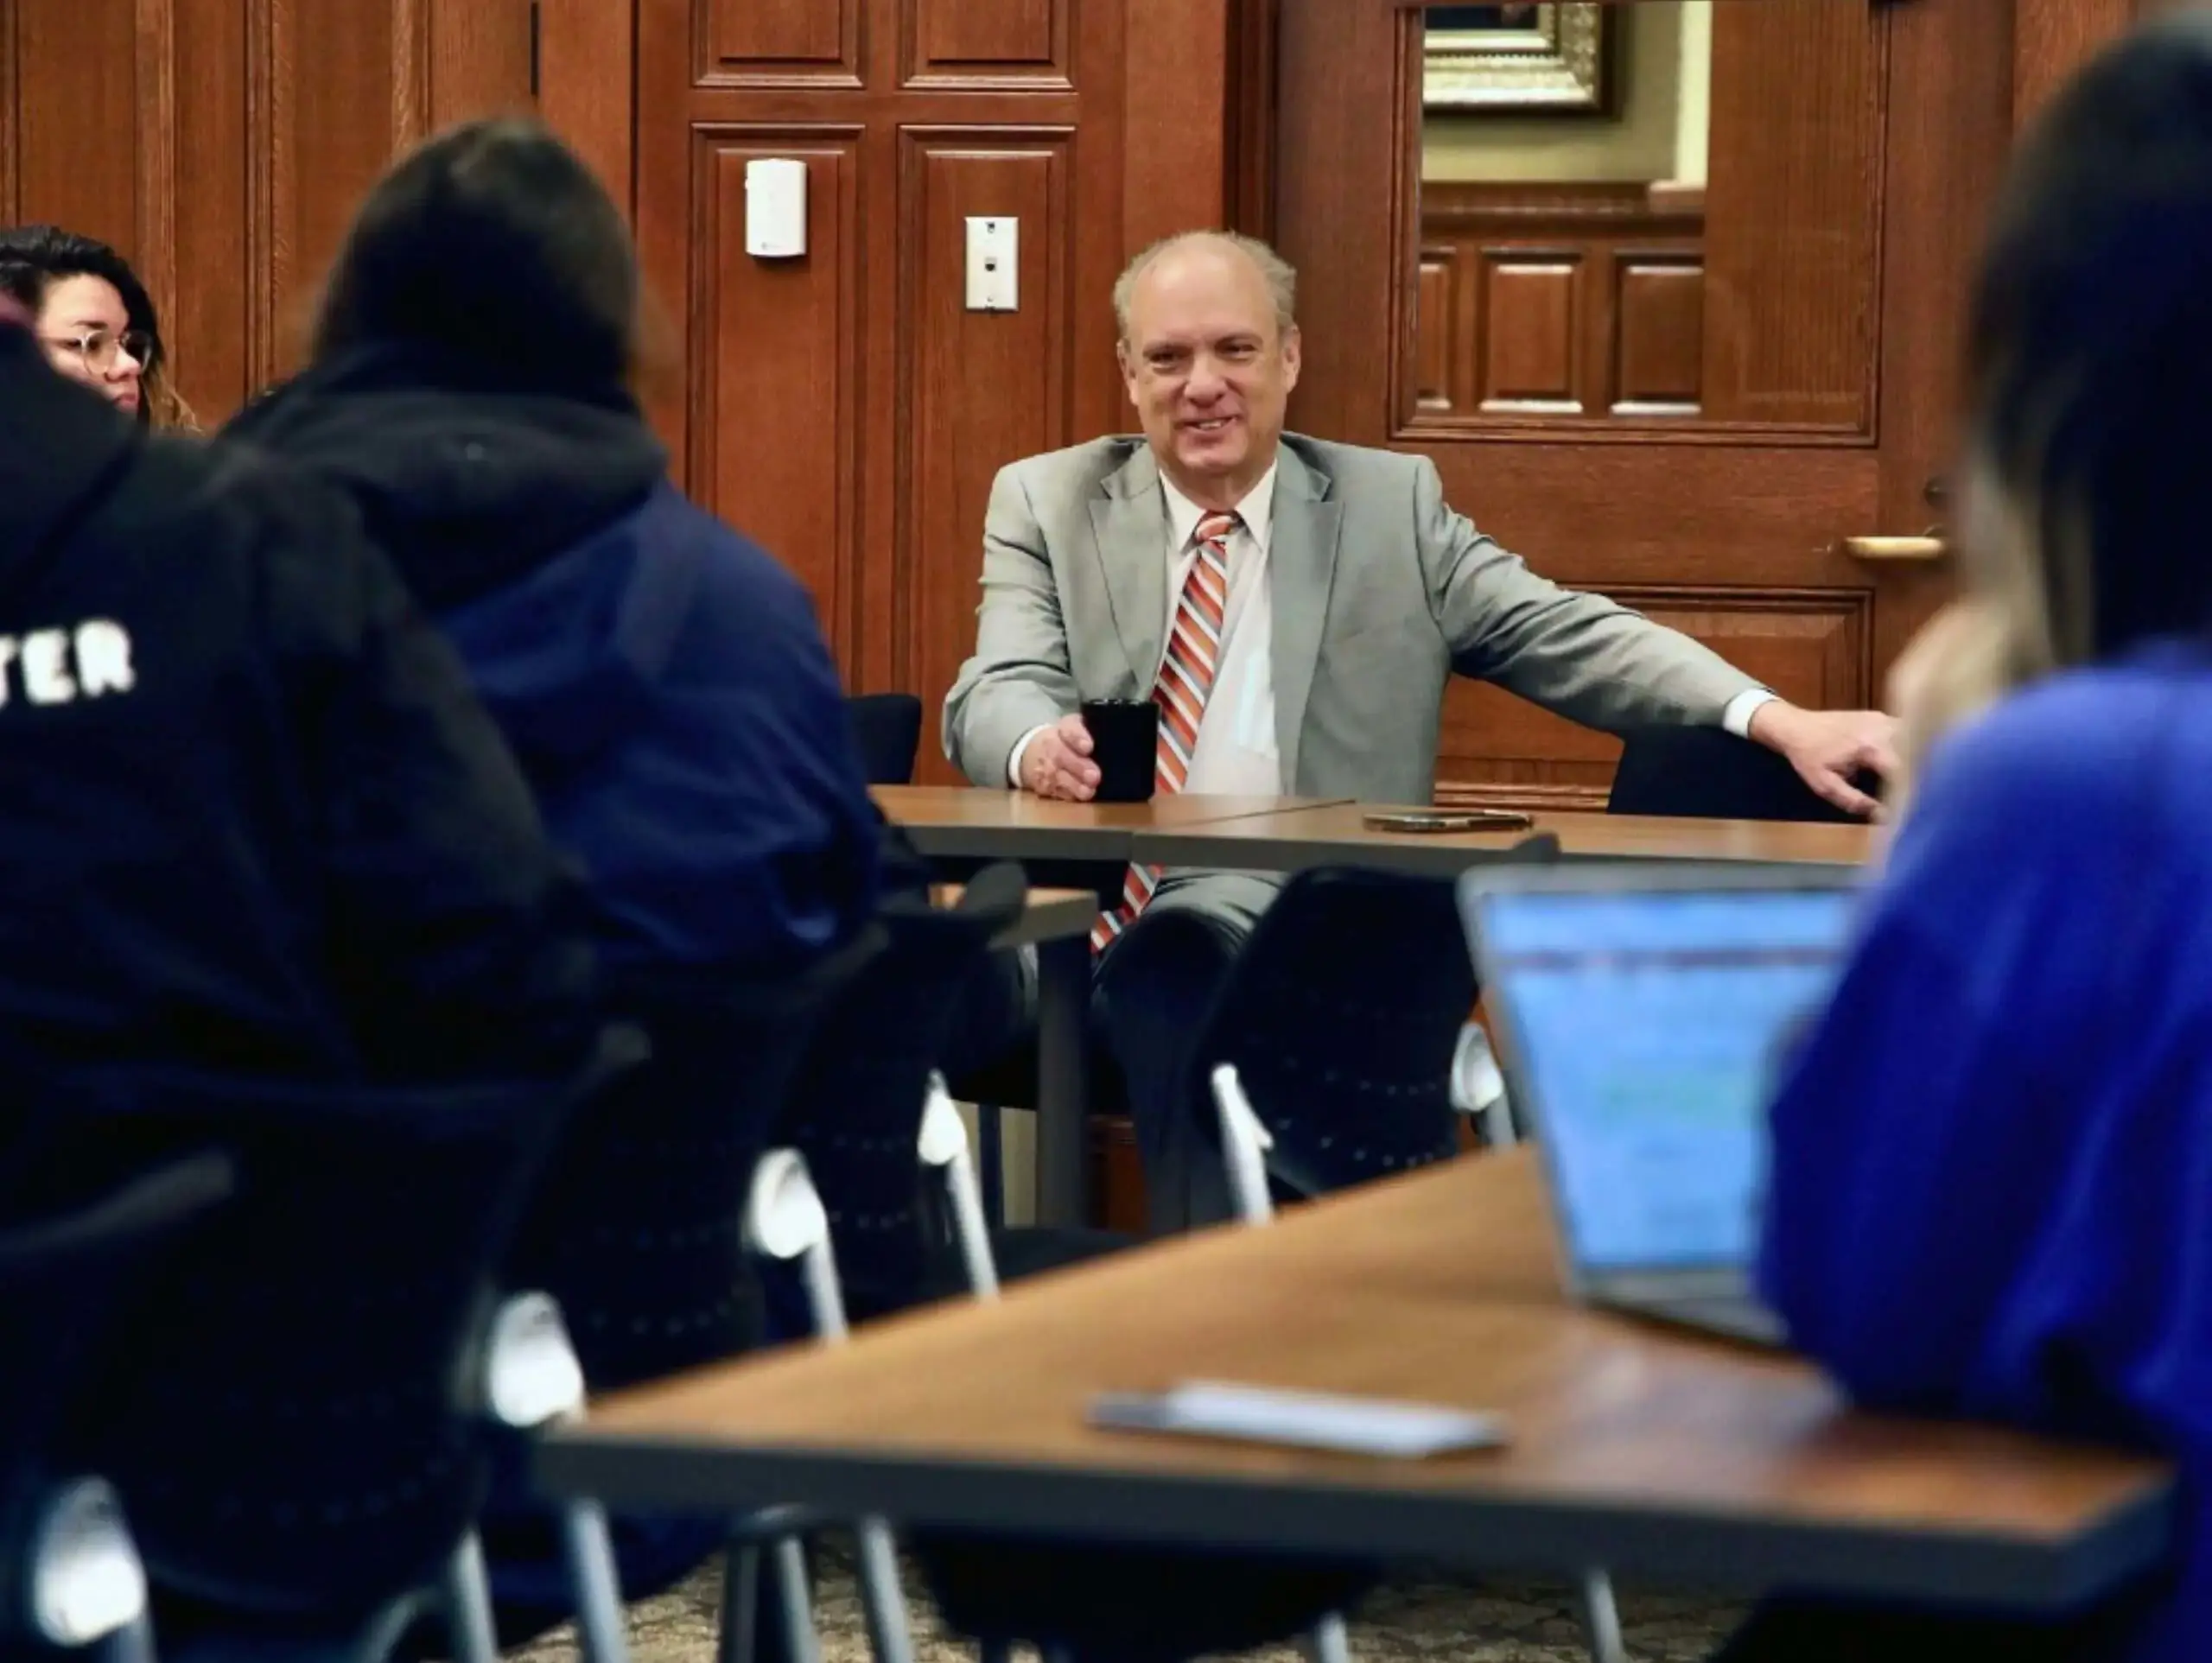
(1642, 1011)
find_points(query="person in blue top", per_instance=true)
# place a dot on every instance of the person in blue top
(662, 678)
(1991, 1194)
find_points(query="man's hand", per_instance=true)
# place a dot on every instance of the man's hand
(1826, 747)
(1057, 762)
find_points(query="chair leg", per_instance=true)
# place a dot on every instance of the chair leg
(603, 1629)
(1601, 1619)
(132, 1643)
(1328, 1643)
(991, 1161)
(798, 1598)
(739, 1640)
(882, 1597)
(467, 1592)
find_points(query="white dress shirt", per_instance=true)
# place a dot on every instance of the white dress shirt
(1237, 753)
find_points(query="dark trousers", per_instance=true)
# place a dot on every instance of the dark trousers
(1153, 991)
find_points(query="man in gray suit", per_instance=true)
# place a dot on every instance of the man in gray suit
(1295, 607)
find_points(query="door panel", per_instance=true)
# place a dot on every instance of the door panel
(1678, 352)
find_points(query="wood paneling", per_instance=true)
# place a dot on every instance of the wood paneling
(776, 42)
(1659, 335)
(1793, 200)
(1174, 180)
(208, 317)
(777, 385)
(1579, 303)
(74, 153)
(479, 60)
(983, 387)
(1531, 360)
(987, 43)
(587, 85)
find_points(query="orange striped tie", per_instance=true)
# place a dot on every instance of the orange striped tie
(1185, 679)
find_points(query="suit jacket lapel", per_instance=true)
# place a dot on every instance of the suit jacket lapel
(1130, 543)
(1301, 562)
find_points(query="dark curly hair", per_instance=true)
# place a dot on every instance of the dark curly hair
(33, 258)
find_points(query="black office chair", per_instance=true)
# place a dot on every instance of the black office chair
(1341, 1016)
(637, 1232)
(70, 1574)
(291, 1417)
(1709, 773)
(855, 1112)
(888, 729)
(637, 1228)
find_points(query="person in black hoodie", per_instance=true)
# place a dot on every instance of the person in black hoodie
(663, 679)
(256, 821)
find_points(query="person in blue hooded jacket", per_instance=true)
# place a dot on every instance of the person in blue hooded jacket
(1991, 1193)
(662, 678)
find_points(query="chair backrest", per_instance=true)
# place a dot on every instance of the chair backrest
(855, 1112)
(1340, 1016)
(63, 1278)
(888, 729)
(287, 1411)
(637, 1228)
(1708, 772)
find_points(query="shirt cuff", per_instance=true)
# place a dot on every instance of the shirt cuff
(1021, 746)
(1737, 718)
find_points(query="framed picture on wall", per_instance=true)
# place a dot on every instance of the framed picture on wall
(1556, 59)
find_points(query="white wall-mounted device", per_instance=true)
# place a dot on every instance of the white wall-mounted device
(775, 207)
(994, 255)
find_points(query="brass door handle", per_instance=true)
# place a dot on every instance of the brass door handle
(1927, 548)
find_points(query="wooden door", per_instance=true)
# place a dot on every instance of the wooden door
(846, 405)
(1697, 395)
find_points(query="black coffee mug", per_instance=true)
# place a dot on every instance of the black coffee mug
(1125, 744)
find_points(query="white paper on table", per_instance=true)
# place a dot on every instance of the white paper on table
(1315, 1420)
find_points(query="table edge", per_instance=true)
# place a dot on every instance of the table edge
(1503, 1529)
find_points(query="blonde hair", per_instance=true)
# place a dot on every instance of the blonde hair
(165, 406)
(1280, 277)
(1999, 636)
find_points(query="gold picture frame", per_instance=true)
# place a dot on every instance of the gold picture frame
(1554, 59)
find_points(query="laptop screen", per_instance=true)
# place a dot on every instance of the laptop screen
(1647, 1028)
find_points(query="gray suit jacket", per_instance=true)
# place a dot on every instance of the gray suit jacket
(1380, 592)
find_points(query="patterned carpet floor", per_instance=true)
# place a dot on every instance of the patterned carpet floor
(1465, 1620)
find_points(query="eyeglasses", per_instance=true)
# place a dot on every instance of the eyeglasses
(97, 349)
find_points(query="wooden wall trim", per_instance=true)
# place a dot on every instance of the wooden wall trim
(1175, 83)
(158, 113)
(1449, 205)
(588, 86)
(1255, 26)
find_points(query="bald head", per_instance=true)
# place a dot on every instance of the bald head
(1209, 353)
(1171, 259)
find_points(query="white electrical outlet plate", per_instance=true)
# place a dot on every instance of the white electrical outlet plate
(994, 255)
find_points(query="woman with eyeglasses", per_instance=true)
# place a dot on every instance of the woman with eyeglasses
(93, 319)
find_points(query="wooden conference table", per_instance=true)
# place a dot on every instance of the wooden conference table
(1290, 833)
(1257, 833)
(1649, 1452)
